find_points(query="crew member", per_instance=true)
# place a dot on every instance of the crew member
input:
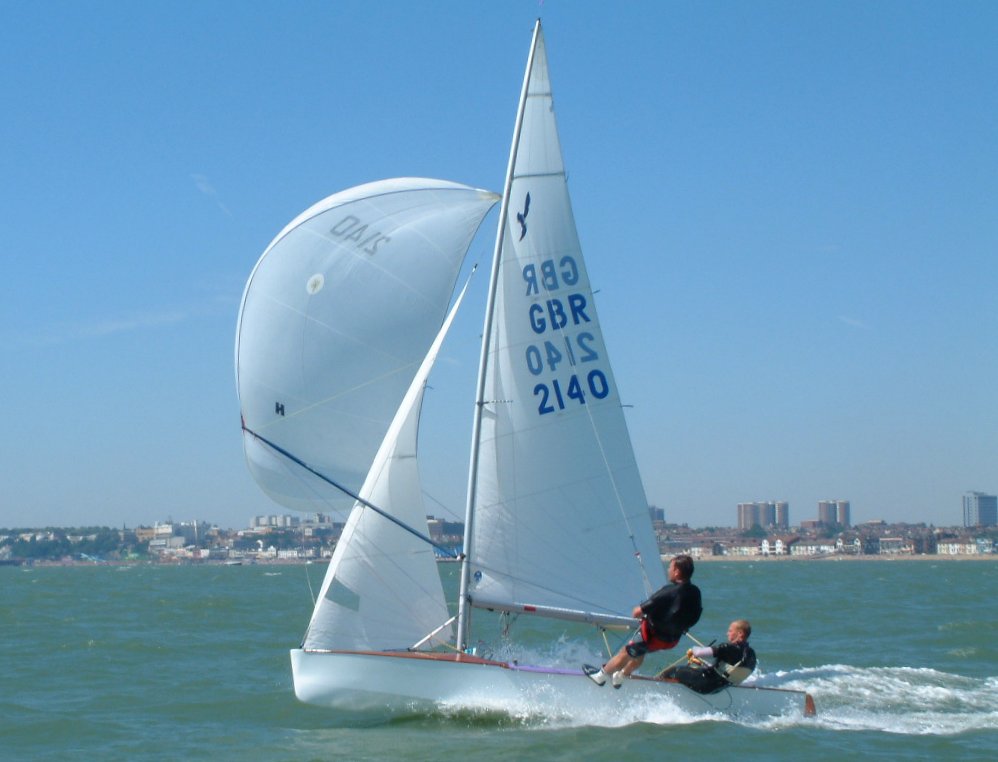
(665, 616)
(733, 662)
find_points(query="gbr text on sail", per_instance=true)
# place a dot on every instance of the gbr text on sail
(563, 355)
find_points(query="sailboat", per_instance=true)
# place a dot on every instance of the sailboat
(340, 324)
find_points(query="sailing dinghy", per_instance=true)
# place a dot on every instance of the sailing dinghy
(340, 323)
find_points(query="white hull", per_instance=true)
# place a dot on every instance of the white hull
(400, 683)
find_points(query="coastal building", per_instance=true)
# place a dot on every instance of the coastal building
(842, 513)
(833, 512)
(814, 548)
(894, 546)
(765, 513)
(980, 510)
(849, 547)
(744, 551)
(775, 548)
(826, 512)
(145, 534)
(782, 515)
(445, 532)
(748, 515)
(281, 522)
(975, 548)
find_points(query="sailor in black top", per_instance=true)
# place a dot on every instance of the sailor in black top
(734, 661)
(665, 616)
(670, 611)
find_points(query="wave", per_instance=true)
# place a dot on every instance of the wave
(902, 700)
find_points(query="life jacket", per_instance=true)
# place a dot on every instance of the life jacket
(732, 673)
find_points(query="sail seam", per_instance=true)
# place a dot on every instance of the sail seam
(539, 174)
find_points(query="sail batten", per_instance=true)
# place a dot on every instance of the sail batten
(535, 175)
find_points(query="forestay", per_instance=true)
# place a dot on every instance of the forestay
(335, 320)
(560, 521)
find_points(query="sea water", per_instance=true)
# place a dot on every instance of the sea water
(191, 662)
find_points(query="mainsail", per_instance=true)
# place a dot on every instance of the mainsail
(335, 320)
(561, 523)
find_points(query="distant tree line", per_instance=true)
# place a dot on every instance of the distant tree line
(53, 544)
(104, 543)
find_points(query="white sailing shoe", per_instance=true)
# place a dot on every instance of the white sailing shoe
(596, 674)
(618, 678)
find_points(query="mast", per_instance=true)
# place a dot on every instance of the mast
(463, 606)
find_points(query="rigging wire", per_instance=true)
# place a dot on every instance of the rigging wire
(308, 579)
(350, 493)
(387, 562)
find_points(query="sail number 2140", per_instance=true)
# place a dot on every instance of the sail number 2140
(557, 394)
(552, 397)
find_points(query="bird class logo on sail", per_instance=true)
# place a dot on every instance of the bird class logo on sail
(521, 217)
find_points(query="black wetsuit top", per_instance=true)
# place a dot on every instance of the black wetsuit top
(707, 679)
(673, 609)
(736, 653)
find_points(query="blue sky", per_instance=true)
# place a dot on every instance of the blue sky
(790, 211)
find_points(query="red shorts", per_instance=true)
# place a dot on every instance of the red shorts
(649, 642)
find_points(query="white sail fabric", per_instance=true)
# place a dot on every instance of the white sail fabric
(382, 589)
(335, 319)
(561, 518)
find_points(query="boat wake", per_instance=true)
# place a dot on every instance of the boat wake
(902, 700)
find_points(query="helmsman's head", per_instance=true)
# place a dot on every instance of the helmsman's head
(680, 569)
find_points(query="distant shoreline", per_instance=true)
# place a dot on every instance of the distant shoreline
(705, 559)
(897, 557)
